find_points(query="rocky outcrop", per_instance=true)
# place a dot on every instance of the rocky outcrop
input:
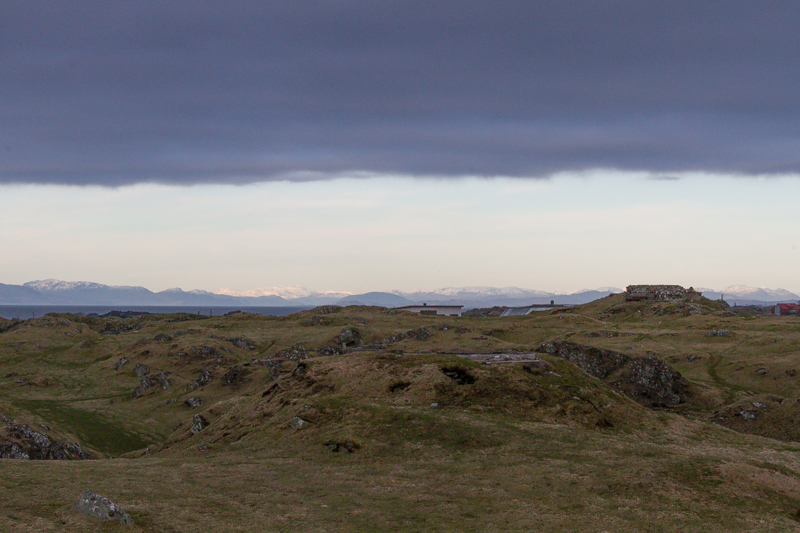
(25, 443)
(295, 353)
(315, 321)
(241, 342)
(598, 362)
(348, 337)
(193, 401)
(159, 380)
(198, 424)
(652, 382)
(12, 450)
(648, 380)
(234, 377)
(162, 380)
(329, 349)
(206, 352)
(102, 508)
(420, 334)
(143, 385)
(202, 379)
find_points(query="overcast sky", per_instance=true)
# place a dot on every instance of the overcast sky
(405, 106)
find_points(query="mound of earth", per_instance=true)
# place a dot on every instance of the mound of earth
(767, 415)
(615, 305)
(380, 401)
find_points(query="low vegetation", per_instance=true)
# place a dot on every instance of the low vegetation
(610, 416)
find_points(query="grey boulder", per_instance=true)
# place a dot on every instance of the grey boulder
(102, 508)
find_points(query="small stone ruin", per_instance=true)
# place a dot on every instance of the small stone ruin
(667, 293)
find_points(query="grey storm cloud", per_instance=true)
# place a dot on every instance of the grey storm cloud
(112, 92)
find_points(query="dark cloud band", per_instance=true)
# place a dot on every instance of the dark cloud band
(186, 92)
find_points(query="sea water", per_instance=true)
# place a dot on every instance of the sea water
(24, 312)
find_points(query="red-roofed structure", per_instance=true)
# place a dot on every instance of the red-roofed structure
(786, 309)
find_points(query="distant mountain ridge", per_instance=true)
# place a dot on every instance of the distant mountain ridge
(287, 293)
(57, 292)
(744, 295)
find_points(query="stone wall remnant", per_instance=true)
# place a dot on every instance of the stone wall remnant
(637, 293)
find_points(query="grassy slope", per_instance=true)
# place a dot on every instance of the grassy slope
(514, 450)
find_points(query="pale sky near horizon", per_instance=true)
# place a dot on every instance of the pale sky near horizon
(380, 233)
(348, 145)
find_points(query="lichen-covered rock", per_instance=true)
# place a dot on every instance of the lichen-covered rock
(651, 382)
(144, 384)
(163, 382)
(119, 364)
(204, 377)
(206, 351)
(193, 401)
(141, 370)
(295, 353)
(329, 349)
(241, 342)
(12, 450)
(298, 422)
(198, 424)
(96, 506)
(347, 337)
(25, 443)
(420, 334)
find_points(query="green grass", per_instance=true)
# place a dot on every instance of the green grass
(96, 431)
(512, 451)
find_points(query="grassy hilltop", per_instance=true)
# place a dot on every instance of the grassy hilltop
(610, 416)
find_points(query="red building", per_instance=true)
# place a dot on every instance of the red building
(786, 309)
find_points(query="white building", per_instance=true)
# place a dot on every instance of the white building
(440, 310)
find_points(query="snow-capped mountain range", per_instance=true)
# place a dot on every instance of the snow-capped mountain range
(57, 292)
(287, 293)
(754, 294)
